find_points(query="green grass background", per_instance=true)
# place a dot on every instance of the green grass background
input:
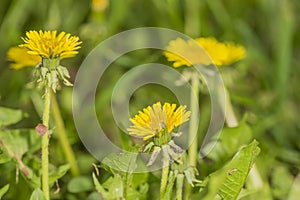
(265, 85)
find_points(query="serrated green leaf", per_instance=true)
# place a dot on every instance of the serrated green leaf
(213, 183)
(227, 182)
(9, 116)
(80, 184)
(237, 171)
(115, 188)
(62, 170)
(99, 187)
(37, 194)
(140, 194)
(94, 196)
(124, 162)
(122, 166)
(3, 190)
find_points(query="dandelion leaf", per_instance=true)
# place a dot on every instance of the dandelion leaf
(37, 194)
(237, 171)
(3, 190)
(227, 182)
(9, 116)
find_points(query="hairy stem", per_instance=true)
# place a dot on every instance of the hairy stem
(62, 136)
(45, 145)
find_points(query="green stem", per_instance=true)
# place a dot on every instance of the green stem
(164, 175)
(62, 136)
(45, 145)
(193, 136)
(179, 186)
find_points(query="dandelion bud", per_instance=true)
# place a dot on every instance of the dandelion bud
(41, 129)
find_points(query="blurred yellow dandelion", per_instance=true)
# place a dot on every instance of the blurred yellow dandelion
(155, 119)
(100, 5)
(204, 51)
(192, 52)
(21, 58)
(48, 44)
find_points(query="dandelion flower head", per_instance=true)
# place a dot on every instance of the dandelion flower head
(155, 119)
(218, 53)
(48, 44)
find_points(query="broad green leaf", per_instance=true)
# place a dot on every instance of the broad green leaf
(3, 190)
(140, 194)
(94, 196)
(9, 116)
(62, 170)
(80, 184)
(107, 183)
(18, 142)
(227, 182)
(121, 163)
(124, 162)
(99, 187)
(14, 142)
(37, 194)
(115, 188)
(237, 171)
(213, 182)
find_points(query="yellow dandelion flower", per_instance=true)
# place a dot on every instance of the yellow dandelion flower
(99, 5)
(213, 52)
(152, 121)
(48, 44)
(192, 52)
(21, 58)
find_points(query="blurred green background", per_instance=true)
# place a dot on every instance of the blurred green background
(264, 85)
